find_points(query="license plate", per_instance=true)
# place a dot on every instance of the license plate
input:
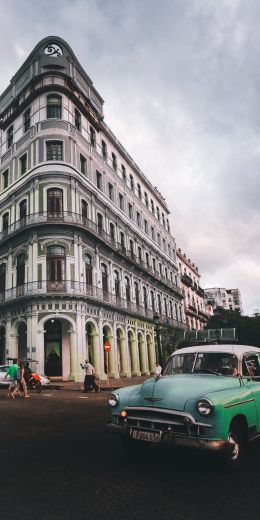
(146, 436)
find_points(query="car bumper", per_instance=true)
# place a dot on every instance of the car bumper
(172, 439)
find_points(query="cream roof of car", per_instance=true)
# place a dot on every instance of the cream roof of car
(238, 350)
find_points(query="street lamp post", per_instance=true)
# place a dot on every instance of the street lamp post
(159, 346)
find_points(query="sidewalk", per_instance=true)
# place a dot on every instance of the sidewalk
(114, 384)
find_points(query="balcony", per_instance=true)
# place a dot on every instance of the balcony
(76, 219)
(186, 280)
(70, 288)
(200, 292)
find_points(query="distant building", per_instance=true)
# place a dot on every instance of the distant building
(229, 299)
(194, 309)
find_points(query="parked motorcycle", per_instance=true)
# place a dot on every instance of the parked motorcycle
(33, 382)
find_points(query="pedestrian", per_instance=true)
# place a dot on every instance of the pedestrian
(157, 370)
(89, 381)
(12, 371)
(21, 383)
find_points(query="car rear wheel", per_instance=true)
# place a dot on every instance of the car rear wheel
(237, 444)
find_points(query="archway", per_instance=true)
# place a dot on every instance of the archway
(2, 345)
(107, 334)
(141, 353)
(131, 347)
(22, 340)
(90, 342)
(53, 348)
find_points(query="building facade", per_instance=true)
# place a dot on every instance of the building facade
(194, 309)
(229, 299)
(86, 253)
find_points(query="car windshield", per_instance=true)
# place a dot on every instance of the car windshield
(216, 363)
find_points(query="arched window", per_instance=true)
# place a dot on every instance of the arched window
(136, 293)
(117, 284)
(104, 278)
(23, 209)
(2, 279)
(112, 231)
(99, 222)
(56, 268)
(122, 240)
(84, 209)
(152, 301)
(5, 222)
(54, 202)
(165, 307)
(159, 304)
(145, 297)
(53, 106)
(20, 274)
(88, 267)
(131, 244)
(170, 308)
(127, 288)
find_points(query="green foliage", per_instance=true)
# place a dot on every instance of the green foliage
(248, 329)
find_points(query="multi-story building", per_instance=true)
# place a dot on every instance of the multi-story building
(86, 253)
(229, 299)
(195, 312)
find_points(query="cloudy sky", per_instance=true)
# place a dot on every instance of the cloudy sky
(181, 84)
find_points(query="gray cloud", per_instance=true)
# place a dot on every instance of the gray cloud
(181, 84)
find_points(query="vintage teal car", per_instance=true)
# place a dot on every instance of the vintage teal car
(207, 398)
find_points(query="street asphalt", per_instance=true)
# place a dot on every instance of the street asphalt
(58, 463)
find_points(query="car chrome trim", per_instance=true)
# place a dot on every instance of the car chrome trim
(153, 399)
(240, 402)
(165, 411)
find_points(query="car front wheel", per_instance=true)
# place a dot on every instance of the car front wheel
(237, 445)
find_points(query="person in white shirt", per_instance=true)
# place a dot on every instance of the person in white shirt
(157, 370)
(89, 381)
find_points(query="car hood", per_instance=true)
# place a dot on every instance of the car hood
(174, 391)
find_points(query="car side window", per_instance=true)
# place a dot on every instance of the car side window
(251, 365)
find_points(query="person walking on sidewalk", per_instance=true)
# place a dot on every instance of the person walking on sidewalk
(12, 371)
(89, 381)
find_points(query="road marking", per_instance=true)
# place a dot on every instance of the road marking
(82, 397)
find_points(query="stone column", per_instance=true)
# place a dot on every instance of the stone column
(73, 356)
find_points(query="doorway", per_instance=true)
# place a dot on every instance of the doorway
(53, 348)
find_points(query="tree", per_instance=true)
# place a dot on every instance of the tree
(248, 328)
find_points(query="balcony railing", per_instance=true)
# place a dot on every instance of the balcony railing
(200, 292)
(72, 288)
(186, 280)
(71, 218)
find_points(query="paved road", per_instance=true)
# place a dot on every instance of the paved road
(57, 463)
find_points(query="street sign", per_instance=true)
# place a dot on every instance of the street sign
(107, 346)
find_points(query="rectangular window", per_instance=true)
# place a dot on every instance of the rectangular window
(163, 219)
(152, 232)
(114, 161)
(158, 212)
(152, 206)
(92, 137)
(104, 150)
(164, 244)
(146, 199)
(130, 211)
(139, 191)
(132, 185)
(10, 136)
(27, 120)
(99, 180)
(158, 239)
(121, 201)
(78, 120)
(5, 178)
(146, 226)
(123, 172)
(83, 164)
(53, 107)
(111, 191)
(23, 164)
(54, 151)
(138, 219)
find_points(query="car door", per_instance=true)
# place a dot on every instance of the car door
(251, 373)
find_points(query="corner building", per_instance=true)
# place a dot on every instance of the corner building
(86, 254)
